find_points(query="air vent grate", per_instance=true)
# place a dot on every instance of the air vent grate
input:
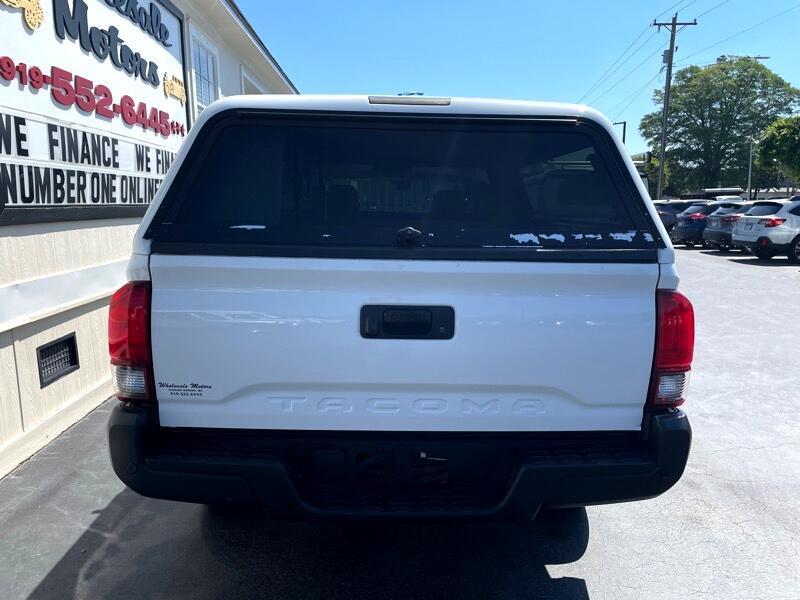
(57, 359)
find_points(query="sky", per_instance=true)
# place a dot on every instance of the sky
(523, 49)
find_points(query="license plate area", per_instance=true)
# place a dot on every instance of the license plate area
(403, 476)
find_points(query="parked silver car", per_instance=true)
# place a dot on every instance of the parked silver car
(720, 224)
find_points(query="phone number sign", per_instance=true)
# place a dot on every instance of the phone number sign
(68, 90)
(110, 69)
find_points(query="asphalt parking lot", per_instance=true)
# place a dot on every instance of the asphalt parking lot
(730, 528)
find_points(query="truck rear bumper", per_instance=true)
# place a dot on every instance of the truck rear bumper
(329, 475)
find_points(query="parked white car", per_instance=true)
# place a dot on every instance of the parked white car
(770, 228)
(400, 306)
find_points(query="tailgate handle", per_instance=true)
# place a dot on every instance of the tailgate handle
(407, 316)
(407, 322)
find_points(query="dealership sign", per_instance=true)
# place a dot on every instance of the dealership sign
(92, 106)
(57, 166)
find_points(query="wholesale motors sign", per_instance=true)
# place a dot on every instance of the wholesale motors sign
(92, 106)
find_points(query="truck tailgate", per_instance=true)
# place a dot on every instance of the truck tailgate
(276, 343)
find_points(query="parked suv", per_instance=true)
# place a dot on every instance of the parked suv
(691, 223)
(771, 228)
(400, 306)
(668, 210)
(719, 226)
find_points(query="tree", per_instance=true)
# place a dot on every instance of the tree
(714, 111)
(780, 147)
(649, 168)
(766, 175)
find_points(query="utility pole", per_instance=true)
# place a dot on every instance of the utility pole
(668, 57)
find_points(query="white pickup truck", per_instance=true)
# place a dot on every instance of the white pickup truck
(400, 306)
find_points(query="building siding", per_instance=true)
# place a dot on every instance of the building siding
(57, 278)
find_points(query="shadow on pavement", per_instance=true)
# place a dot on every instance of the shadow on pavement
(145, 548)
(748, 259)
(773, 262)
(728, 254)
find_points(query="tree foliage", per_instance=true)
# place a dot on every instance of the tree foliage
(780, 147)
(649, 169)
(714, 112)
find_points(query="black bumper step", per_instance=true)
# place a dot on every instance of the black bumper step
(299, 475)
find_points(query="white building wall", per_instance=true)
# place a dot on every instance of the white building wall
(10, 410)
(38, 250)
(239, 56)
(57, 278)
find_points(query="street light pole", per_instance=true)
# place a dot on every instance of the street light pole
(624, 128)
(750, 171)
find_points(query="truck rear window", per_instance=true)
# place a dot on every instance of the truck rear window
(370, 184)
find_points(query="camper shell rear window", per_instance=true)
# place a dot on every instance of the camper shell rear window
(378, 186)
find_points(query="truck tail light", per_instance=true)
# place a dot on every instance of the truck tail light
(129, 342)
(674, 349)
(773, 222)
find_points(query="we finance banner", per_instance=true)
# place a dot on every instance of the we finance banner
(92, 106)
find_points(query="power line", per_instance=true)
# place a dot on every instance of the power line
(743, 31)
(630, 99)
(608, 73)
(715, 7)
(670, 8)
(631, 72)
(638, 91)
(685, 6)
(603, 76)
(624, 62)
(634, 99)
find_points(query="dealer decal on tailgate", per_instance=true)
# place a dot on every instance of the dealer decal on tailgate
(194, 390)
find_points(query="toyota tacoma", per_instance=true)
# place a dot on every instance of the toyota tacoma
(392, 306)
